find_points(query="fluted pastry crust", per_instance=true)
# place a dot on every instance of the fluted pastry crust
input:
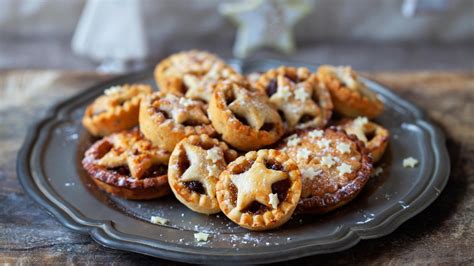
(259, 191)
(298, 96)
(166, 118)
(334, 168)
(350, 96)
(116, 110)
(194, 168)
(127, 165)
(243, 117)
(194, 74)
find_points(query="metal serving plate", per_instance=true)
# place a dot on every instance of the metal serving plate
(49, 170)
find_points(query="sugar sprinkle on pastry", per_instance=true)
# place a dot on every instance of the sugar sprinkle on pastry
(344, 168)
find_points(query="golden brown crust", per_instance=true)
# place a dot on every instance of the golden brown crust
(374, 136)
(259, 191)
(350, 96)
(296, 93)
(166, 119)
(115, 111)
(194, 74)
(195, 166)
(112, 166)
(334, 168)
(245, 118)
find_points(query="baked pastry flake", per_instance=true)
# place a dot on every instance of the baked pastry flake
(334, 168)
(350, 96)
(297, 95)
(259, 191)
(167, 118)
(244, 117)
(195, 166)
(116, 110)
(127, 165)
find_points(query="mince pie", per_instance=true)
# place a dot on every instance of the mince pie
(116, 110)
(297, 95)
(350, 96)
(260, 191)
(374, 136)
(195, 166)
(166, 118)
(334, 168)
(194, 74)
(244, 117)
(127, 165)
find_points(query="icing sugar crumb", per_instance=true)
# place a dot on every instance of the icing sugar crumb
(344, 168)
(410, 162)
(303, 154)
(273, 200)
(324, 143)
(316, 133)
(301, 94)
(377, 171)
(293, 140)
(343, 147)
(158, 220)
(361, 121)
(201, 237)
(328, 161)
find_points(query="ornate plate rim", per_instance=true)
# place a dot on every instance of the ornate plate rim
(104, 233)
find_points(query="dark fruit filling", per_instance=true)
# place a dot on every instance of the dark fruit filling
(183, 163)
(274, 165)
(268, 127)
(281, 189)
(256, 208)
(165, 114)
(230, 97)
(191, 123)
(121, 170)
(272, 87)
(306, 118)
(370, 135)
(195, 186)
(282, 115)
(242, 119)
(156, 170)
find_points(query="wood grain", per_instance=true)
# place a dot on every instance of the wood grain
(443, 233)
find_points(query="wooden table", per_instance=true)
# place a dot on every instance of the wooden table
(443, 233)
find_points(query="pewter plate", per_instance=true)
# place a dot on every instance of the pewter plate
(49, 170)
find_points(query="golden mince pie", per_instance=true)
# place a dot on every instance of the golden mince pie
(245, 118)
(296, 93)
(194, 74)
(374, 136)
(128, 165)
(166, 118)
(195, 166)
(260, 191)
(350, 96)
(116, 110)
(334, 168)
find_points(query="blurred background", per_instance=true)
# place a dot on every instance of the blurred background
(120, 35)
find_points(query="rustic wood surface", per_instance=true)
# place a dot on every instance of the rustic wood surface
(443, 233)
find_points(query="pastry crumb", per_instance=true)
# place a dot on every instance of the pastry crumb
(410, 162)
(377, 171)
(273, 200)
(158, 220)
(201, 237)
(316, 133)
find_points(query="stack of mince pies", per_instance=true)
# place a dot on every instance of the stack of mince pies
(257, 148)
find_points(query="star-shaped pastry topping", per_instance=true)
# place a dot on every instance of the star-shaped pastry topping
(199, 168)
(344, 168)
(303, 154)
(256, 184)
(316, 133)
(324, 143)
(410, 162)
(327, 161)
(182, 110)
(294, 100)
(264, 23)
(253, 107)
(135, 153)
(310, 172)
(343, 147)
(293, 140)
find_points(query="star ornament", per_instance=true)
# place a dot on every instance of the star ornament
(256, 185)
(264, 23)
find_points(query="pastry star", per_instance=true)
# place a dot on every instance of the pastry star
(202, 87)
(183, 110)
(344, 168)
(299, 105)
(252, 107)
(256, 184)
(410, 162)
(198, 170)
(343, 147)
(264, 23)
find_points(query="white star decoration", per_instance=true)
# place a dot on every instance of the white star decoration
(264, 23)
(410, 162)
(344, 168)
(343, 147)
